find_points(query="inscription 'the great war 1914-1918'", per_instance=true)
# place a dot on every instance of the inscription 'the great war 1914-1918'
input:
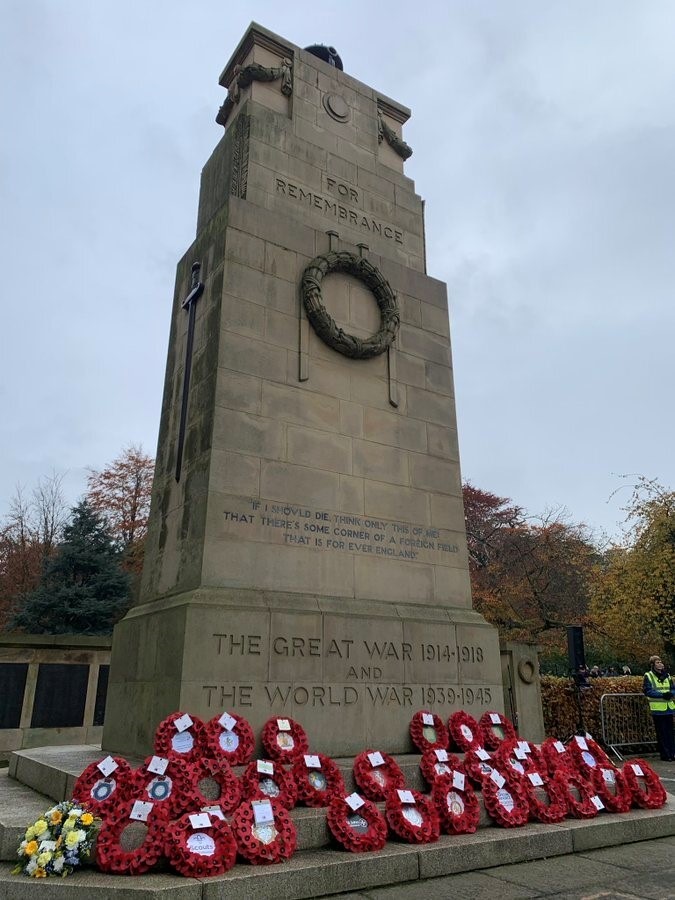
(323, 530)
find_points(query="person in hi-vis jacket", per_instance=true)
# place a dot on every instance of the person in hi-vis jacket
(659, 690)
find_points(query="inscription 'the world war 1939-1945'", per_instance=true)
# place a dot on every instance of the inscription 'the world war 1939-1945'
(303, 526)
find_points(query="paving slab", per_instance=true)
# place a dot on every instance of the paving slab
(551, 875)
(19, 807)
(472, 886)
(644, 856)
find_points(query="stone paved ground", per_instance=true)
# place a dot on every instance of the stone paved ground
(641, 871)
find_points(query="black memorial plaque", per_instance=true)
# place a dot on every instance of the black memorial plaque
(101, 694)
(60, 695)
(12, 686)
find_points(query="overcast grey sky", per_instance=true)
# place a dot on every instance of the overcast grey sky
(544, 146)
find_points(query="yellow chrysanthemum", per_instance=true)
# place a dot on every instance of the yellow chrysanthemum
(44, 858)
(31, 848)
(40, 873)
(40, 826)
(72, 840)
(30, 833)
(87, 819)
(55, 817)
(69, 824)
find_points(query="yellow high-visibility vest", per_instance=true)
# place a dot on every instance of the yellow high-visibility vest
(663, 687)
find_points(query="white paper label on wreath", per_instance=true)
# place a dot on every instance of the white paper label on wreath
(354, 802)
(495, 718)
(202, 844)
(581, 742)
(405, 796)
(441, 755)
(466, 731)
(265, 767)
(228, 740)
(559, 746)
(597, 803)
(524, 746)
(427, 719)
(536, 779)
(183, 722)
(505, 799)
(458, 780)
(283, 725)
(227, 721)
(158, 765)
(140, 811)
(200, 820)
(182, 742)
(376, 759)
(214, 811)
(589, 759)
(455, 803)
(519, 754)
(608, 775)
(498, 778)
(262, 812)
(312, 762)
(638, 771)
(107, 766)
(516, 766)
(483, 755)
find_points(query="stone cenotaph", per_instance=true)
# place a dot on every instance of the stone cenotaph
(306, 553)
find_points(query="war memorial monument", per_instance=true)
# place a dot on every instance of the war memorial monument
(306, 553)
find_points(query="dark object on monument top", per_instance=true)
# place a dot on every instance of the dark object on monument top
(327, 54)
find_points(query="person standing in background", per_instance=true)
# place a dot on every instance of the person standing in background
(659, 690)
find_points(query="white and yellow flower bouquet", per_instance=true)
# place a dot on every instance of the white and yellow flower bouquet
(58, 842)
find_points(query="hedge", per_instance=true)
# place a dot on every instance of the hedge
(560, 704)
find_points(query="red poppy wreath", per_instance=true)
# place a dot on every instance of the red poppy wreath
(582, 801)
(103, 784)
(645, 785)
(199, 845)
(267, 778)
(264, 831)
(318, 779)
(437, 762)
(505, 799)
(156, 781)
(587, 754)
(208, 782)
(496, 728)
(182, 735)
(131, 839)
(611, 786)
(517, 758)
(428, 732)
(557, 756)
(545, 797)
(478, 764)
(284, 739)
(465, 732)
(230, 736)
(377, 773)
(412, 816)
(456, 803)
(356, 823)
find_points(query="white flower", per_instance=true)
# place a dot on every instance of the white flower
(58, 863)
(23, 845)
(32, 865)
(76, 811)
(81, 836)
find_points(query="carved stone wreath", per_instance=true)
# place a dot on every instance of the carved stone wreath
(324, 324)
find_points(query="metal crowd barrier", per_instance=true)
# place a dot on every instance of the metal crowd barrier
(626, 721)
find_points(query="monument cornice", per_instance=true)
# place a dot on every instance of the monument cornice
(255, 36)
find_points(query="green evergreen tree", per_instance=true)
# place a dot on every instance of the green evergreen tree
(83, 589)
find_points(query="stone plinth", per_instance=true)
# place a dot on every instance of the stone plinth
(311, 559)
